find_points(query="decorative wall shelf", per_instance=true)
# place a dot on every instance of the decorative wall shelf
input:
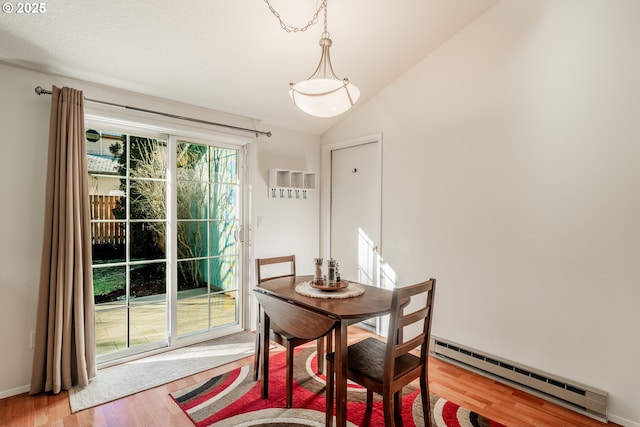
(290, 184)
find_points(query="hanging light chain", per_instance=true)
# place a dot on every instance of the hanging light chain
(325, 19)
(293, 29)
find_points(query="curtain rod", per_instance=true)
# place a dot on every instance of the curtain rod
(41, 91)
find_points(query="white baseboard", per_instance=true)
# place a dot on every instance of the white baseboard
(14, 391)
(623, 421)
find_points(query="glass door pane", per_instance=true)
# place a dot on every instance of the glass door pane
(128, 195)
(207, 249)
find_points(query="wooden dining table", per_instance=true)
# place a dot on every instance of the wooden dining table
(308, 317)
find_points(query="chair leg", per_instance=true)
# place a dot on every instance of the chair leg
(324, 348)
(289, 376)
(320, 354)
(389, 420)
(256, 358)
(329, 395)
(397, 405)
(426, 402)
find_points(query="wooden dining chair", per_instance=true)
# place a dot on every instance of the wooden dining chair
(277, 334)
(386, 368)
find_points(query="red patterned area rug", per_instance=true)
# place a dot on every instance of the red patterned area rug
(233, 399)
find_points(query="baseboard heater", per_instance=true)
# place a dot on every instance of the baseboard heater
(569, 394)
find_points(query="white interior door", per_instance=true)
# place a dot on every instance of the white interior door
(355, 211)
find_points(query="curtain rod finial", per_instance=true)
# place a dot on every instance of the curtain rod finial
(41, 91)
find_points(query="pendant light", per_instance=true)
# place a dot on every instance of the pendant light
(323, 94)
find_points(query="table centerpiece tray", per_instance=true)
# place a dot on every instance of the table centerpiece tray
(326, 287)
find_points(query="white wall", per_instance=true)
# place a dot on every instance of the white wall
(24, 127)
(287, 226)
(24, 130)
(284, 226)
(510, 173)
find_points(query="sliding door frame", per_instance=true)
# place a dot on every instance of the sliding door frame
(173, 130)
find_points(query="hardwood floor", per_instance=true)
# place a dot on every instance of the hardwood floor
(154, 407)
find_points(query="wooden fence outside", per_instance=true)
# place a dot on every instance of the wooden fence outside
(110, 232)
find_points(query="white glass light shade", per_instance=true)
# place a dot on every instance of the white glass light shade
(324, 97)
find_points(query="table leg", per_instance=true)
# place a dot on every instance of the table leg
(341, 374)
(265, 335)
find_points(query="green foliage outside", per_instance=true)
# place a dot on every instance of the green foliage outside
(106, 281)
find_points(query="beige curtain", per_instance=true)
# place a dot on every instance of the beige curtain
(65, 333)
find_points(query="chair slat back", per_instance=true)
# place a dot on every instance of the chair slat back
(262, 262)
(405, 298)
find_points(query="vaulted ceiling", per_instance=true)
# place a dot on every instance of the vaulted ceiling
(230, 55)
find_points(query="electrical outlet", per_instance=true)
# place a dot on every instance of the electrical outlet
(32, 339)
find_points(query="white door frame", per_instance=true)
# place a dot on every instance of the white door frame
(325, 194)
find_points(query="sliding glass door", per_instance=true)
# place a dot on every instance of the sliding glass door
(165, 225)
